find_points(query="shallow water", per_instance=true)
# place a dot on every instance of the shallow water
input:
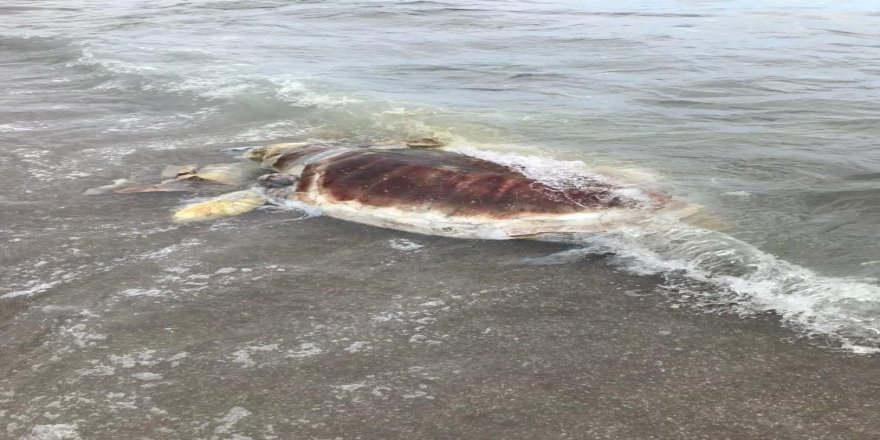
(764, 113)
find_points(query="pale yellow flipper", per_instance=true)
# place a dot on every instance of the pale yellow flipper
(231, 174)
(227, 205)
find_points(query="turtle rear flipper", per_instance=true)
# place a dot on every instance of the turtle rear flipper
(189, 184)
(227, 205)
(106, 188)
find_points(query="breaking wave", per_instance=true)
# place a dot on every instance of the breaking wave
(715, 271)
(712, 270)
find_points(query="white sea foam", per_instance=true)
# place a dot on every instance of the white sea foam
(295, 92)
(357, 346)
(273, 130)
(31, 291)
(61, 431)
(351, 387)
(403, 244)
(82, 335)
(147, 376)
(243, 356)
(14, 127)
(142, 292)
(224, 83)
(227, 422)
(88, 58)
(305, 350)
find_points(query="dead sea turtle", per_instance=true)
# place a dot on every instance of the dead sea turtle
(428, 191)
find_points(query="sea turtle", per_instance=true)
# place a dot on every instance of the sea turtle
(428, 191)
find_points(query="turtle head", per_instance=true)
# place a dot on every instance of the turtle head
(278, 186)
(277, 180)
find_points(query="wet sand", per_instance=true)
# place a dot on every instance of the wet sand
(263, 327)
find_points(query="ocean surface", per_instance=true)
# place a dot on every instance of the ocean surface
(765, 113)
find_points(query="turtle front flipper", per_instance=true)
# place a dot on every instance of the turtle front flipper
(227, 205)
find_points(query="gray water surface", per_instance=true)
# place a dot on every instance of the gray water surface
(765, 113)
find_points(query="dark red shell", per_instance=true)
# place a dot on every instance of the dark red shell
(452, 183)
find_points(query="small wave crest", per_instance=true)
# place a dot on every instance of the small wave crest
(213, 80)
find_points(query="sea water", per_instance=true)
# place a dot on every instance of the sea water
(763, 113)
